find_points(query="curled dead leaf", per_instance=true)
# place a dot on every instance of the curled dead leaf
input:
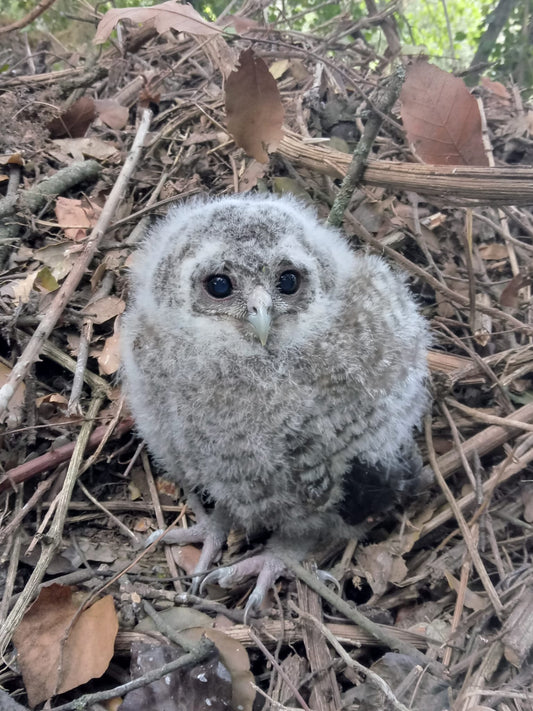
(254, 108)
(166, 16)
(60, 257)
(381, 566)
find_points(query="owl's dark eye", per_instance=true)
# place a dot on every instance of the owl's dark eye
(289, 282)
(219, 286)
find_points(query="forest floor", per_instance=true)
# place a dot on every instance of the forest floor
(449, 581)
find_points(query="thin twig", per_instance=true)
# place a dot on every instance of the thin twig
(73, 406)
(467, 535)
(488, 418)
(374, 678)
(383, 102)
(279, 669)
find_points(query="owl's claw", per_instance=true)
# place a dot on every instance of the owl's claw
(220, 576)
(326, 577)
(266, 566)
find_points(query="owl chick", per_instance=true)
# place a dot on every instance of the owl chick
(276, 372)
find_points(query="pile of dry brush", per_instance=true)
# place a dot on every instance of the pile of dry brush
(447, 587)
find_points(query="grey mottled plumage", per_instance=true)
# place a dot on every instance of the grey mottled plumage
(304, 435)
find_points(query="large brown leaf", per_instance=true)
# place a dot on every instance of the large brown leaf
(441, 117)
(253, 107)
(74, 121)
(58, 651)
(168, 15)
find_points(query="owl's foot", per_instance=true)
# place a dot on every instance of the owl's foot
(209, 530)
(266, 566)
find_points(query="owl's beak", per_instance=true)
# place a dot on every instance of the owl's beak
(259, 305)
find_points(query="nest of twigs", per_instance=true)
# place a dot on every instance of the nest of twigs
(450, 580)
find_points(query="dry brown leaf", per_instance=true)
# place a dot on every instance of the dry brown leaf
(112, 113)
(20, 289)
(46, 280)
(149, 96)
(51, 397)
(72, 218)
(109, 358)
(445, 307)
(60, 257)
(187, 557)
(166, 16)
(253, 107)
(509, 296)
(279, 67)
(80, 148)
(496, 88)
(235, 657)
(74, 122)
(381, 566)
(104, 309)
(441, 118)
(56, 653)
(253, 172)
(411, 533)
(241, 24)
(493, 251)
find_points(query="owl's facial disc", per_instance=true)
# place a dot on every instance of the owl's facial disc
(259, 306)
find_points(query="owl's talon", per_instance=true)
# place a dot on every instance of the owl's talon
(326, 577)
(253, 604)
(221, 576)
(196, 585)
(266, 566)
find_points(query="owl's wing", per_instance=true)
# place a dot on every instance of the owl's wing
(371, 488)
